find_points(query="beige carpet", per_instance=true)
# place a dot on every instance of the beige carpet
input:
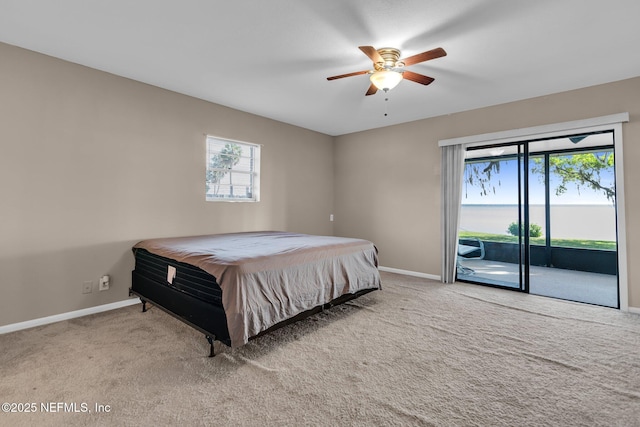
(416, 353)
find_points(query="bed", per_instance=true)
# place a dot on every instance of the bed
(237, 286)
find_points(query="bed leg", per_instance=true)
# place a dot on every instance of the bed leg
(144, 305)
(210, 339)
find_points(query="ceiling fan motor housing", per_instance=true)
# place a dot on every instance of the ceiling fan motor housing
(391, 57)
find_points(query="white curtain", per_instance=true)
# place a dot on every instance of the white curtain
(451, 198)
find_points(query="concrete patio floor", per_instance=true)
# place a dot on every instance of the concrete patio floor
(580, 286)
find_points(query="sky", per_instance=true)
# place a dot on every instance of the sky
(505, 184)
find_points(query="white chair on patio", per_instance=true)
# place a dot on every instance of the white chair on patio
(466, 250)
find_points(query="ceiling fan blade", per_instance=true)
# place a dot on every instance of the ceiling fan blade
(372, 53)
(424, 56)
(372, 89)
(357, 73)
(418, 78)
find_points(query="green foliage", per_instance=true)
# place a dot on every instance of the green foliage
(606, 245)
(534, 230)
(480, 174)
(583, 170)
(222, 163)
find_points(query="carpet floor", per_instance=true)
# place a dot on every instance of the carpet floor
(415, 353)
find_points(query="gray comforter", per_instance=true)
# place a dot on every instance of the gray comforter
(267, 277)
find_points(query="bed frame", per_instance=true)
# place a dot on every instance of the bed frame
(206, 316)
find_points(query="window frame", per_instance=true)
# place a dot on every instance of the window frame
(254, 169)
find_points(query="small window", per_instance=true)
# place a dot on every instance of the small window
(232, 170)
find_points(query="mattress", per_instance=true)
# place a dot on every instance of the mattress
(268, 277)
(188, 279)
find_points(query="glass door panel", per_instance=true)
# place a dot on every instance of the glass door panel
(579, 263)
(490, 238)
(540, 216)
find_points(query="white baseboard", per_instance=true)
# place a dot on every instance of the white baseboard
(635, 310)
(409, 273)
(66, 316)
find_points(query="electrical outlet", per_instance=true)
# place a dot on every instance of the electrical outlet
(104, 283)
(87, 287)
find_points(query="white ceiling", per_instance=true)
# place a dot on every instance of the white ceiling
(272, 58)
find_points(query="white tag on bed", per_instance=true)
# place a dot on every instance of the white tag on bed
(171, 274)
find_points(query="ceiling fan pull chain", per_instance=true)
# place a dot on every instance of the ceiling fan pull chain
(386, 99)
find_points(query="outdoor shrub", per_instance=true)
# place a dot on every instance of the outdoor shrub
(534, 230)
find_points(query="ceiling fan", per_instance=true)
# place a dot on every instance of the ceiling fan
(389, 69)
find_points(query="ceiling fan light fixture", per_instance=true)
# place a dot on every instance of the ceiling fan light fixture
(386, 79)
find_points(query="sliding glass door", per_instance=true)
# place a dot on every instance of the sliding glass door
(491, 213)
(540, 217)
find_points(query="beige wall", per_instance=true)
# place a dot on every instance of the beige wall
(388, 180)
(90, 163)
